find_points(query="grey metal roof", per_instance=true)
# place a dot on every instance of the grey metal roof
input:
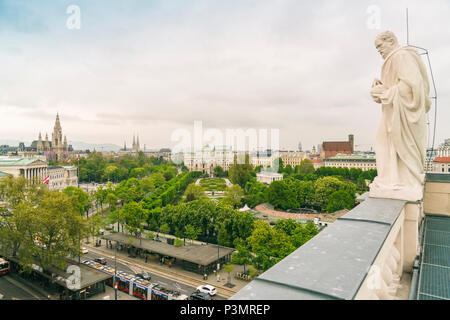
(334, 263)
(88, 275)
(434, 278)
(200, 254)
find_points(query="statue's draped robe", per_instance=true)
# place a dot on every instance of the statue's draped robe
(402, 135)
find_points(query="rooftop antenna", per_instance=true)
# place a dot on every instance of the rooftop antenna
(407, 28)
(423, 51)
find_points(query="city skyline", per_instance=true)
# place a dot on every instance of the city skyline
(158, 67)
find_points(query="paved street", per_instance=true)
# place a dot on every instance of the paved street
(12, 287)
(133, 269)
(166, 282)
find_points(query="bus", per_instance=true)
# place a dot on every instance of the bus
(4, 266)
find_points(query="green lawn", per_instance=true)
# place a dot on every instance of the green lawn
(213, 184)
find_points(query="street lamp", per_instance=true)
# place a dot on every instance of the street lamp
(115, 273)
(218, 265)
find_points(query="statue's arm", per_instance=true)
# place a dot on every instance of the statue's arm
(377, 90)
(408, 83)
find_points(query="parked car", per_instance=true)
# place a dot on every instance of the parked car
(200, 296)
(207, 289)
(145, 276)
(100, 260)
(84, 250)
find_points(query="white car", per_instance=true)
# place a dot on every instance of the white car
(84, 250)
(207, 289)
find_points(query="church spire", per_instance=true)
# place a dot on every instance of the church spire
(46, 144)
(57, 123)
(66, 148)
(39, 145)
(137, 143)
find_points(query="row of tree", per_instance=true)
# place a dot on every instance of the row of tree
(256, 241)
(99, 168)
(41, 226)
(326, 189)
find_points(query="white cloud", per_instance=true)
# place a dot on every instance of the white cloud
(303, 68)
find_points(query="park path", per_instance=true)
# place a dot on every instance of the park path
(263, 209)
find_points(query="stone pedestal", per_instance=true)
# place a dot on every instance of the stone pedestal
(413, 217)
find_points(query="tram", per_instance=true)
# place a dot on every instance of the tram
(136, 286)
(5, 267)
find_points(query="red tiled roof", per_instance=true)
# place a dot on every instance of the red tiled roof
(442, 159)
(337, 146)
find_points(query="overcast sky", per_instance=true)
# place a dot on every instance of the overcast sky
(152, 67)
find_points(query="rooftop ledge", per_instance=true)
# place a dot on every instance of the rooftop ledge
(367, 254)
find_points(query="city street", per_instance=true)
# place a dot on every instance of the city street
(12, 287)
(135, 268)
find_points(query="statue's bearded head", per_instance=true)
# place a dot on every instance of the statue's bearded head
(385, 43)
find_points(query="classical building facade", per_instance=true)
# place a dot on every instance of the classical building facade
(34, 169)
(268, 177)
(207, 158)
(61, 177)
(440, 165)
(264, 161)
(292, 158)
(351, 161)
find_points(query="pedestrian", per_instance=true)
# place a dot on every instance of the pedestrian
(146, 258)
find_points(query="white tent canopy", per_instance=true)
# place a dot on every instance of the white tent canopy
(245, 208)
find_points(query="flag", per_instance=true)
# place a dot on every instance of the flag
(46, 180)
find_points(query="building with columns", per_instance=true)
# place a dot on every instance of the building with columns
(292, 158)
(61, 177)
(207, 158)
(268, 177)
(264, 161)
(351, 161)
(440, 165)
(30, 168)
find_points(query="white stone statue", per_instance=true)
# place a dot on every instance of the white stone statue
(400, 146)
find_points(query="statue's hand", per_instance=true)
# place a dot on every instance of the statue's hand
(376, 92)
(376, 82)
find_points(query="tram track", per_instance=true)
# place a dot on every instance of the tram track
(169, 274)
